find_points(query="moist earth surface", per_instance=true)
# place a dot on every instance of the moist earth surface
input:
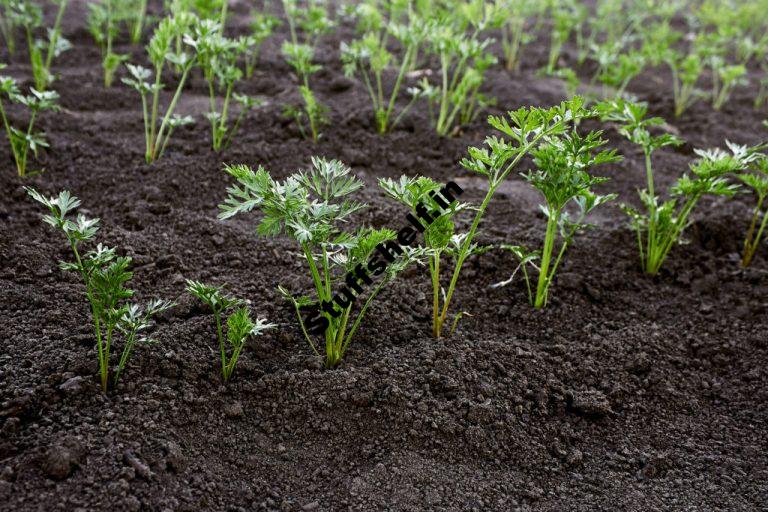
(627, 392)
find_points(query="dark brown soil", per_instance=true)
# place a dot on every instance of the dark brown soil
(626, 393)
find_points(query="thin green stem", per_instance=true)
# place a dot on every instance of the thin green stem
(172, 106)
(651, 248)
(758, 237)
(528, 285)
(212, 102)
(395, 90)
(146, 119)
(463, 253)
(235, 127)
(223, 15)
(336, 355)
(55, 33)
(304, 329)
(667, 242)
(360, 316)
(230, 368)
(546, 257)
(222, 129)
(138, 27)
(434, 270)
(443, 96)
(155, 106)
(129, 342)
(495, 181)
(751, 242)
(104, 359)
(25, 147)
(107, 64)
(222, 350)
(9, 134)
(313, 269)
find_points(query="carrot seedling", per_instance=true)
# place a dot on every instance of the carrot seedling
(161, 51)
(308, 23)
(104, 275)
(239, 324)
(103, 24)
(309, 207)
(515, 30)
(8, 24)
(421, 194)
(23, 142)
(757, 180)
(312, 114)
(217, 57)
(29, 16)
(456, 99)
(262, 26)
(368, 58)
(562, 177)
(661, 226)
(523, 131)
(567, 18)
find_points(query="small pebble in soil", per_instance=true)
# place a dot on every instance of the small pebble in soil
(61, 459)
(590, 403)
(234, 410)
(73, 386)
(138, 465)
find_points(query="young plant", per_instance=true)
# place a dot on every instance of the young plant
(422, 194)
(637, 128)
(525, 129)
(369, 58)
(104, 275)
(312, 20)
(103, 25)
(567, 18)
(29, 15)
(757, 180)
(239, 324)
(24, 141)
(309, 208)
(621, 71)
(516, 33)
(686, 70)
(662, 224)
(463, 62)
(658, 39)
(8, 24)
(708, 178)
(138, 19)
(217, 57)
(610, 27)
(730, 76)
(160, 49)
(262, 27)
(562, 177)
(713, 49)
(313, 114)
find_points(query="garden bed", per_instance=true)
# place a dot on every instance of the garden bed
(627, 392)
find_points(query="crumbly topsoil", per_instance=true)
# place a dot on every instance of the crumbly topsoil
(627, 393)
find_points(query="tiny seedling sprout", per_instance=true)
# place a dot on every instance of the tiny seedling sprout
(240, 326)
